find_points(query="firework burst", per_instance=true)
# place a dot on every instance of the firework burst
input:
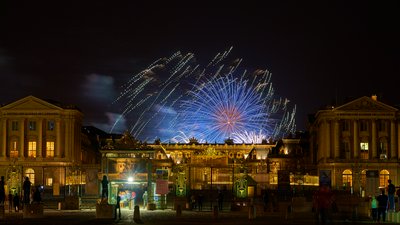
(175, 99)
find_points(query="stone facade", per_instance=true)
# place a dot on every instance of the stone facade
(352, 139)
(42, 140)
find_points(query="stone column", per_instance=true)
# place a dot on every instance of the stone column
(355, 138)
(4, 138)
(67, 138)
(321, 152)
(58, 139)
(373, 144)
(21, 153)
(39, 150)
(393, 150)
(398, 138)
(336, 139)
(328, 139)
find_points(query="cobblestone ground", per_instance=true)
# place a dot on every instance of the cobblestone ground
(165, 217)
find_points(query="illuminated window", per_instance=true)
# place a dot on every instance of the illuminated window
(83, 178)
(273, 178)
(364, 146)
(30, 173)
(50, 149)
(50, 125)
(32, 149)
(14, 125)
(32, 125)
(49, 181)
(14, 150)
(364, 150)
(347, 178)
(383, 178)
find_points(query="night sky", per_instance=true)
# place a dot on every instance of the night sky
(81, 52)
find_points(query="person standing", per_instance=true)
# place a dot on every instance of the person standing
(27, 190)
(2, 191)
(382, 205)
(391, 192)
(104, 185)
(118, 207)
(200, 201)
(398, 196)
(10, 202)
(220, 200)
(374, 208)
(16, 202)
(37, 198)
(324, 199)
(145, 198)
(193, 202)
(265, 200)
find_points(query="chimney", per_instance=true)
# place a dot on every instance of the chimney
(374, 97)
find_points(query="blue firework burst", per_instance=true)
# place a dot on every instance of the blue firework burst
(175, 99)
(222, 107)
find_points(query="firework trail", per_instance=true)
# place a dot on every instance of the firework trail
(175, 99)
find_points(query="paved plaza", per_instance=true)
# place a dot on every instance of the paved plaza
(166, 217)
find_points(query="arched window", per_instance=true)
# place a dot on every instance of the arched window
(347, 176)
(30, 173)
(383, 178)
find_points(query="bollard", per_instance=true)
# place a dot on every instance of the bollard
(215, 210)
(136, 214)
(178, 210)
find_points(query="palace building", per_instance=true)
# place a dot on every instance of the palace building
(356, 146)
(43, 140)
(173, 170)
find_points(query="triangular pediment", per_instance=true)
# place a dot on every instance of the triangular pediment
(365, 104)
(30, 103)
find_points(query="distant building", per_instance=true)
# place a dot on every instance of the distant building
(357, 145)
